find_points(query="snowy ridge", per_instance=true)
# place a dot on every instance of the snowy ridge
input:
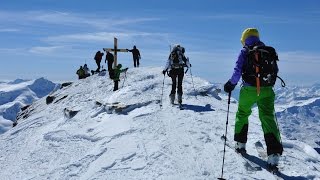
(140, 141)
(298, 112)
(19, 93)
(297, 95)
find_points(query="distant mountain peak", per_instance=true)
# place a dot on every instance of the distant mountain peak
(18, 93)
(17, 81)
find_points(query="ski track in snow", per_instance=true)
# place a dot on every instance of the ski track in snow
(142, 141)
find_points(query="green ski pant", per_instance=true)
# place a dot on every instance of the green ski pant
(265, 102)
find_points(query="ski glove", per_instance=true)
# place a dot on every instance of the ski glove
(164, 72)
(228, 87)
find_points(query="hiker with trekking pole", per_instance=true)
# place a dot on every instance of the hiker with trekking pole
(175, 69)
(257, 66)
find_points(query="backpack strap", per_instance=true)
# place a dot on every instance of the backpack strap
(283, 84)
(256, 62)
(256, 57)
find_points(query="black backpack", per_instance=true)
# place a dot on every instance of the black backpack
(175, 56)
(98, 56)
(111, 74)
(260, 63)
(81, 72)
(109, 57)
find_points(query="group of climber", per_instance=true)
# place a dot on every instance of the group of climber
(256, 65)
(114, 73)
(110, 58)
(83, 72)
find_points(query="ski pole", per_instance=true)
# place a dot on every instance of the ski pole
(225, 138)
(124, 79)
(162, 91)
(193, 83)
(187, 69)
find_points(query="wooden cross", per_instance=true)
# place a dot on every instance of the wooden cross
(115, 50)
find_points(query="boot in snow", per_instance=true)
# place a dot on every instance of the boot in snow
(179, 98)
(172, 97)
(240, 148)
(273, 161)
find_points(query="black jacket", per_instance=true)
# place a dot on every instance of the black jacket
(135, 53)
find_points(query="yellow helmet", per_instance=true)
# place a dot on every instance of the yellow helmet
(247, 33)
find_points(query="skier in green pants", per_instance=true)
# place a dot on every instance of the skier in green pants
(258, 80)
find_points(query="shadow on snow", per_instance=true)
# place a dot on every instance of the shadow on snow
(197, 108)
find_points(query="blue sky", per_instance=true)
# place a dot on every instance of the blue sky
(52, 38)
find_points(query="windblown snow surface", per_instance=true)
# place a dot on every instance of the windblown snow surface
(81, 136)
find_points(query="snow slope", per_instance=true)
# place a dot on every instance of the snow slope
(19, 93)
(140, 141)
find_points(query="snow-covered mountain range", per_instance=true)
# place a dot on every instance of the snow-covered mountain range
(19, 93)
(298, 112)
(90, 132)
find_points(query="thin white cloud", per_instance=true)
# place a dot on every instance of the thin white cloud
(45, 50)
(303, 64)
(12, 50)
(9, 30)
(70, 19)
(277, 19)
(132, 20)
(104, 37)
(33, 50)
(300, 57)
(86, 37)
(76, 20)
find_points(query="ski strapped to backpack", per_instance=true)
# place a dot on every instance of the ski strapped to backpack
(261, 68)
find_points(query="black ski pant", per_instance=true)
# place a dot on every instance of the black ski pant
(98, 64)
(116, 85)
(136, 62)
(177, 74)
